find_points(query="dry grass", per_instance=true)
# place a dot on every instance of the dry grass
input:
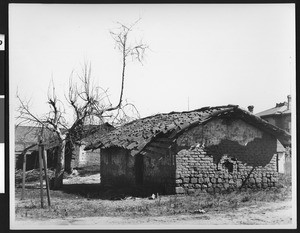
(33, 175)
(88, 170)
(93, 200)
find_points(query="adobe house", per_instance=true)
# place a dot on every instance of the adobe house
(26, 140)
(81, 157)
(209, 149)
(280, 115)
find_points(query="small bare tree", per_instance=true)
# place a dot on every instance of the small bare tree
(54, 121)
(87, 101)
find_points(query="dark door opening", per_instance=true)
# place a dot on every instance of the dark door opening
(139, 167)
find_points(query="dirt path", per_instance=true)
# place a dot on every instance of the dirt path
(270, 214)
(91, 179)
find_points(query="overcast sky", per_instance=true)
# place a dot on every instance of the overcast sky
(201, 55)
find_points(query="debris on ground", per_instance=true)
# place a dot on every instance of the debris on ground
(75, 173)
(31, 175)
(199, 211)
(152, 197)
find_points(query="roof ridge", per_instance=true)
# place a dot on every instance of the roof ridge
(177, 112)
(214, 107)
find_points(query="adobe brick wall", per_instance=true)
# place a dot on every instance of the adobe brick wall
(196, 169)
(225, 155)
(117, 167)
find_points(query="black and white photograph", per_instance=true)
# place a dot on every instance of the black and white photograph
(152, 116)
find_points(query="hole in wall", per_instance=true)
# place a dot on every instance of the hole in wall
(228, 165)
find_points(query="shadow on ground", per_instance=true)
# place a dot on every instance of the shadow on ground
(98, 191)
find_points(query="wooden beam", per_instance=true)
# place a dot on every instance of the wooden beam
(165, 145)
(156, 150)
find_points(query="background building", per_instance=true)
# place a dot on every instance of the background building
(280, 116)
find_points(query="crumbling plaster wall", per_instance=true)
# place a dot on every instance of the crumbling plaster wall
(117, 167)
(159, 171)
(217, 130)
(225, 154)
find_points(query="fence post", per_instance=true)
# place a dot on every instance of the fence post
(46, 175)
(41, 173)
(23, 179)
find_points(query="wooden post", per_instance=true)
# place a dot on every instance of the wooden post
(46, 176)
(41, 174)
(24, 174)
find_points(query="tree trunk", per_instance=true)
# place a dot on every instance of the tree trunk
(76, 133)
(68, 157)
(59, 172)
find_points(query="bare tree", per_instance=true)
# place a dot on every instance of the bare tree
(136, 51)
(87, 101)
(53, 121)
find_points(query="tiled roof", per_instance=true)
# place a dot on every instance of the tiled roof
(26, 136)
(135, 135)
(281, 108)
(93, 132)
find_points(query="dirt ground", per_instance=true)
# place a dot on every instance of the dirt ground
(268, 214)
(91, 179)
(277, 214)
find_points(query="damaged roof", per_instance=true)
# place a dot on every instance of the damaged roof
(95, 131)
(135, 135)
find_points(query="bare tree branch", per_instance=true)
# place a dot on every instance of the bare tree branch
(136, 52)
(88, 102)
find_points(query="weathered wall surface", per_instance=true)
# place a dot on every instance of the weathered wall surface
(217, 130)
(159, 171)
(159, 165)
(84, 158)
(90, 158)
(223, 155)
(117, 167)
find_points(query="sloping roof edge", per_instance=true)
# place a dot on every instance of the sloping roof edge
(156, 131)
(174, 130)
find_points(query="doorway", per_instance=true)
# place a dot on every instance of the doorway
(139, 167)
